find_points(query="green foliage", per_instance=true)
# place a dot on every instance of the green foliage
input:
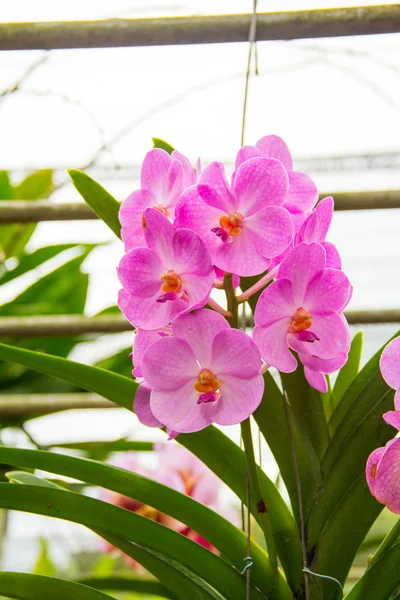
(224, 536)
(149, 536)
(349, 371)
(307, 405)
(32, 587)
(103, 204)
(35, 186)
(159, 143)
(271, 419)
(44, 565)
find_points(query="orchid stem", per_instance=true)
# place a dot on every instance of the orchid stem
(387, 543)
(257, 286)
(262, 507)
(231, 300)
(215, 306)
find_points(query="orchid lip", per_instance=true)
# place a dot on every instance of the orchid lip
(222, 234)
(205, 398)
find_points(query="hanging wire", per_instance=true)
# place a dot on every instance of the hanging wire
(329, 578)
(252, 42)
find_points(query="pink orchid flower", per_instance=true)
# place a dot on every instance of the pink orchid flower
(172, 276)
(143, 340)
(302, 193)
(315, 369)
(243, 226)
(390, 369)
(301, 310)
(206, 373)
(142, 409)
(163, 178)
(315, 229)
(383, 475)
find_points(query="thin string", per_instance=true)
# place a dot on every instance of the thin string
(300, 498)
(248, 557)
(252, 42)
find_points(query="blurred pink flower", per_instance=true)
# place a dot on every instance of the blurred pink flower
(163, 178)
(206, 373)
(243, 226)
(301, 310)
(182, 471)
(173, 275)
(390, 369)
(383, 475)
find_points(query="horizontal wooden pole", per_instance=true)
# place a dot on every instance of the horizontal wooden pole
(23, 211)
(113, 33)
(61, 325)
(20, 211)
(24, 405)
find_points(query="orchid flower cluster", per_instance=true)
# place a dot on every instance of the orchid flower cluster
(180, 470)
(383, 466)
(188, 231)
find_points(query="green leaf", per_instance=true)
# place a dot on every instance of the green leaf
(362, 431)
(35, 186)
(116, 521)
(271, 419)
(25, 478)
(44, 565)
(6, 189)
(51, 294)
(179, 579)
(382, 578)
(121, 362)
(112, 386)
(367, 373)
(210, 445)
(33, 260)
(228, 461)
(34, 587)
(159, 143)
(128, 584)
(222, 534)
(341, 537)
(306, 403)
(103, 204)
(349, 371)
(100, 450)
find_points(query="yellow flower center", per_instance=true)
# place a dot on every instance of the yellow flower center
(232, 225)
(149, 512)
(301, 321)
(171, 282)
(206, 382)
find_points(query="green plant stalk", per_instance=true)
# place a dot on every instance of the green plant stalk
(388, 542)
(262, 506)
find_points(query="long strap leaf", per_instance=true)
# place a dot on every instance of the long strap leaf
(127, 525)
(380, 580)
(215, 449)
(23, 586)
(271, 419)
(229, 540)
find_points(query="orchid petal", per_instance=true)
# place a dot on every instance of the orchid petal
(260, 182)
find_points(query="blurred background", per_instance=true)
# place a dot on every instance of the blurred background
(335, 102)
